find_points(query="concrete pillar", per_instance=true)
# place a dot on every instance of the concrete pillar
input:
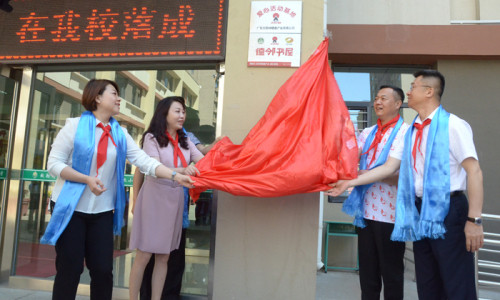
(265, 248)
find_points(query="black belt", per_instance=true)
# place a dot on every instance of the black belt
(456, 193)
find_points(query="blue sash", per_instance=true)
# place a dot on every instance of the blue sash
(71, 192)
(410, 225)
(353, 205)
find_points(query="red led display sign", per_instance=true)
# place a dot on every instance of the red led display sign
(58, 31)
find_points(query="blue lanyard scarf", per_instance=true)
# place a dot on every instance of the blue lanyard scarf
(410, 225)
(72, 191)
(353, 205)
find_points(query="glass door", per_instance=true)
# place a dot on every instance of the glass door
(56, 97)
(49, 109)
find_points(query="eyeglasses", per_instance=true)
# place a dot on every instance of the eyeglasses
(412, 86)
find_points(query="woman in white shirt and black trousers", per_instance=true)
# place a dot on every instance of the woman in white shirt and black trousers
(88, 157)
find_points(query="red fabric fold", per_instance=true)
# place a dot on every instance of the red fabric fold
(304, 141)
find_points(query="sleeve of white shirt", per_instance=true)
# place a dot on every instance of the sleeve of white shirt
(461, 140)
(62, 148)
(139, 158)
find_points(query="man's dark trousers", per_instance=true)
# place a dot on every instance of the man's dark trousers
(380, 260)
(444, 268)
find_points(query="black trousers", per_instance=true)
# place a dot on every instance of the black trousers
(87, 237)
(173, 281)
(380, 260)
(444, 268)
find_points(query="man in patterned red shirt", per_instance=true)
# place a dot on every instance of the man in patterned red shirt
(373, 205)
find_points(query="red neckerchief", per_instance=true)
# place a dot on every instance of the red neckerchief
(378, 136)
(177, 150)
(418, 140)
(102, 146)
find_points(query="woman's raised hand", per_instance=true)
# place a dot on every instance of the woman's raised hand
(191, 170)
(184, 180)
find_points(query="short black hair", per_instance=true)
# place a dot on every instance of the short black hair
(397, 90)
(433, 74)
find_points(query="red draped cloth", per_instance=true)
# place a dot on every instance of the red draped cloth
(304, 141)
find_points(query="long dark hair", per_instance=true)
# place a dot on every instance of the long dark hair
(158, 124)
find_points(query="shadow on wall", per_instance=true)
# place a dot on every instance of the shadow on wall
(205, 133)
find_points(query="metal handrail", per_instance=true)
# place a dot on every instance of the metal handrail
(486, 282)
(492, 240)
(490, 216)
(489, 265)
(490, 274)
(492, 234)
(489, 250)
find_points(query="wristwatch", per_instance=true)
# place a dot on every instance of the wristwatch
(476, 220)
(173, 174)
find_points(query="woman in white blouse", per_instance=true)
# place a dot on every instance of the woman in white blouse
(88, 157)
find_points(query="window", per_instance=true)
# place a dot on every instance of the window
(168, 80)
(129, 91)
(88, 74)
(188, 97)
